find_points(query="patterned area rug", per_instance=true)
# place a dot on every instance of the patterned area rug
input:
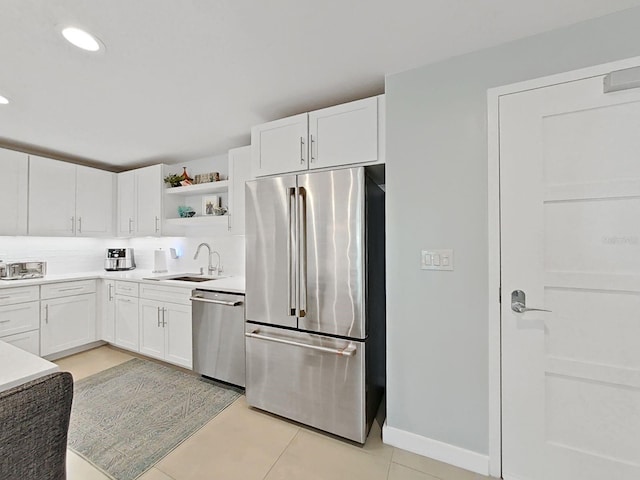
(125, 419)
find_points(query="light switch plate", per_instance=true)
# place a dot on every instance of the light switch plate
(437, 260)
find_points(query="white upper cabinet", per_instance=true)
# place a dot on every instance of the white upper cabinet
(14, 192)
(344, 134)
(239, 173)
(126, 203)
(140, 202)
(52, 197)
(280, 146)
(341, 135)
(69, 200)
(94, 202)
(149, 200)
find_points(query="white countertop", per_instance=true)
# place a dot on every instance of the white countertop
(18, 367)
(234, 284)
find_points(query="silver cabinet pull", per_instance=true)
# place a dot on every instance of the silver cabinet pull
(348, 351)
(228, 222)
(519, 303)
(164, 322)
(46, 313)
(312, 141)
(158, 312)
(302, 251)
(130, 225)
(301, 150)
(157, 227)
(79, 224)
(217, 302)
(110, 292)
(291, 252)
(5, 321)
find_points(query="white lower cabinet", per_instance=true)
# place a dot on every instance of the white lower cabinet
(28, 341)
(107, 311)
(67, 322)
(20, 322)
(165, 332)
(126, 323)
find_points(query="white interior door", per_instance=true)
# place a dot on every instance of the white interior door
(570, 239)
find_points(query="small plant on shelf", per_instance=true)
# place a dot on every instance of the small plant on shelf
(173, 180)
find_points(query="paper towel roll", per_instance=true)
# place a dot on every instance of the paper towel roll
(159, 261)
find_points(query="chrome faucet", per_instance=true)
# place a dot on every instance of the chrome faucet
(210, 268)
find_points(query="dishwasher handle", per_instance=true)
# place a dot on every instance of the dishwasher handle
(217, 302)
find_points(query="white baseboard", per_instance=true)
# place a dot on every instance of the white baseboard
(440, 451)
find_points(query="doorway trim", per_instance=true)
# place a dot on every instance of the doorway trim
(494, 253)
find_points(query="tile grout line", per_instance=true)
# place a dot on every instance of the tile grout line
(164, 473)
(281, 453)
(430, 475)
(389, 466)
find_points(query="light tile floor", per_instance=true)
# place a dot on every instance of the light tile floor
(247, 444)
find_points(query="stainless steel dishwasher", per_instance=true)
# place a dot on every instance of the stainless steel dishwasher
(218, 336)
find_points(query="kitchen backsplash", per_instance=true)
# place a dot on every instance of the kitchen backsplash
(230, 248)
(68, 255)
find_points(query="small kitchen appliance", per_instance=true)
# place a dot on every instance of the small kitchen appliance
(119, 259)
(22, 270)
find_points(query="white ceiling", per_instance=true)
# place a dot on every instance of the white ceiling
(183, 79)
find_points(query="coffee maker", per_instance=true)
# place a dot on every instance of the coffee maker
(119, 259)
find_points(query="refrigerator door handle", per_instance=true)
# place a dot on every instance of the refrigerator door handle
(302, 250)
(348, 351)
(291, 252)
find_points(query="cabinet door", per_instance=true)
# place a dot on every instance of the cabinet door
(149, 200)
(126, 205)
(177, 320)
(52, 197)
(94, 202)
(239, 173)
(127, 330)
(27, 341)
(67, 322)
(152, 329)
(280, 146)
(13, 194)
(344, 134)
(108, 311)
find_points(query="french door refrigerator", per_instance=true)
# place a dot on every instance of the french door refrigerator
(315, 298)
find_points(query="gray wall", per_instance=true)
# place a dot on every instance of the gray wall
(437, 198)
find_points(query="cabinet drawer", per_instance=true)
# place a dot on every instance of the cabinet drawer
(127, 288)
(19, 318)
(67, 289)
(165, 294)
(9, 296)
(28, 341)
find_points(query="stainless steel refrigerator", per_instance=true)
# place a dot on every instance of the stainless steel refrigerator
(315, 298)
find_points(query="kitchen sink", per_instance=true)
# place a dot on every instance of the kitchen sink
(185, 277)
(192, 279)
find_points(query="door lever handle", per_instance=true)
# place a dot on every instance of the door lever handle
(519, 303)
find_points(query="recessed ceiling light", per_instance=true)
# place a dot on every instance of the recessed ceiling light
(3, 100)
(81, 39)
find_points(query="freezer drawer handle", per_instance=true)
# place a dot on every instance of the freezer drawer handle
(348, 351)
(218, 302)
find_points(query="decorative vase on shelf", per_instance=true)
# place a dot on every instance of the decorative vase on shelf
(185, 175)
